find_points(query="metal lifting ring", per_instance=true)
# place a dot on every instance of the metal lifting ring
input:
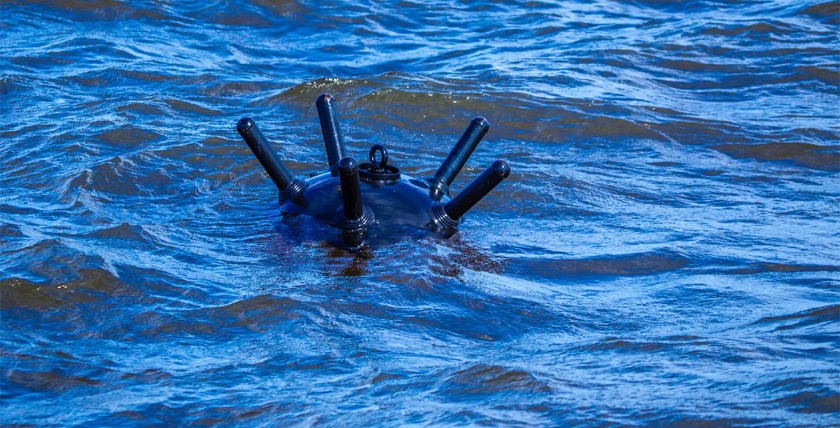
(378, 166)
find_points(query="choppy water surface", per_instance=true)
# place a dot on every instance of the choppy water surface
(665, 251)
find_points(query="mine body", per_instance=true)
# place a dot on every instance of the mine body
(357, 198)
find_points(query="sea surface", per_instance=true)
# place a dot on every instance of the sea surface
(666, 250)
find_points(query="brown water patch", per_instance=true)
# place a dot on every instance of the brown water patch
(763, 28)
(665, 164)
(17, 292)
(237, 17)
(304, 94)
(93, 285)
(254, 314)
(187, 107)
(127, 136)
(621, 345)
(781, 267)
(112, 177)
(825, 314)
(610, 127)
(699, 132)
(101, 9)
(696, 66)
(141, 109)
(227, 89)
(49, 381)
(825, 75)
(828, 11)
(813, 156)
(491, 379)
(822, 401)
(145, 76)
(628, 265)
(464, 255)
(285, 8)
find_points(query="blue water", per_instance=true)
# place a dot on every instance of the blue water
(665, 251)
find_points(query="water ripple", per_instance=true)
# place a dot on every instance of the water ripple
(663, 253)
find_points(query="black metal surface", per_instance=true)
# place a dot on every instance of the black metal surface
(333, 141)
(289, 186)
(476, 190)
(457, 158)
(379, 172)
(351, 191)
(356, 217)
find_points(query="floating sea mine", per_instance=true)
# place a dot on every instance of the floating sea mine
(374, 196)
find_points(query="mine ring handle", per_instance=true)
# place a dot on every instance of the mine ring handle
(384, 154)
